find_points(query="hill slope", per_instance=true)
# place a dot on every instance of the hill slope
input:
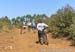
(13, 41)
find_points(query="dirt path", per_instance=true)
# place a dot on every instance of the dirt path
(13, 41)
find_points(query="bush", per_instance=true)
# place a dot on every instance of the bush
(72, 33)
(61, 21)
(5, 24)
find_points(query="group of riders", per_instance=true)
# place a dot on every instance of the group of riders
(40, 27)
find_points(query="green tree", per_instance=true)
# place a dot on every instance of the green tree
(5, 24)
(61, 21)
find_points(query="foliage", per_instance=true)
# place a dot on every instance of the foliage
(61, 21)
(5, 24)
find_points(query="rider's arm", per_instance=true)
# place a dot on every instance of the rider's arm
(45, 25)
(37, 26)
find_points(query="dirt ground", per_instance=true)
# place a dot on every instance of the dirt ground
(13, 41)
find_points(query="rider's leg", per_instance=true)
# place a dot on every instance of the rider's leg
(28, 28)
(45, 39)
(24, 29)
(39, 36)
(21, 31)
(33, 29)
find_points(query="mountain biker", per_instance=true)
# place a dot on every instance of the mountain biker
(33, 26)
(29, 25)
(23, 27)
(41, 27)
(24, 24)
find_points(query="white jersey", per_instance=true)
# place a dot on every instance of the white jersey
(24, 23)
(41, 26)
(29, 23)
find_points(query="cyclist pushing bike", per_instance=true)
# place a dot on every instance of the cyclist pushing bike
(42, 37)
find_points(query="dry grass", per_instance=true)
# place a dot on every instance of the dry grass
(15, 42)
